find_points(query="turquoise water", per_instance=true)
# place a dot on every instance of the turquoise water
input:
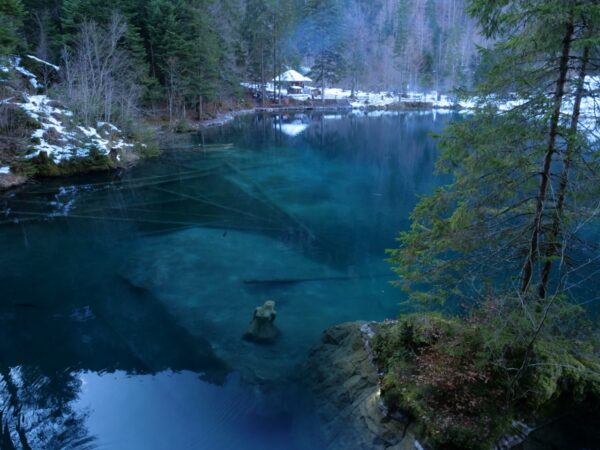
(124, 295)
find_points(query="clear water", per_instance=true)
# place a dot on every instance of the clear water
(124, 296)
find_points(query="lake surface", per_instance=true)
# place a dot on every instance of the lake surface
(124, 296)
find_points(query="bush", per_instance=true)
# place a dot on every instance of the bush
(15, 122)
(183, 126)
(95, 161)
(456, 377)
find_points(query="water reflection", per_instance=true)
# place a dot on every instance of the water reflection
(125, 295)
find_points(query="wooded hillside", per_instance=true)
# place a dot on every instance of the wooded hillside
(183, 54)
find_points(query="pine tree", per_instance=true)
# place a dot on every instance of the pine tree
(326, 41)
(12, 13)
(495, 230)
(203, 58)
(256, 24)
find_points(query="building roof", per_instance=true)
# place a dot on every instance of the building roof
(292, 76)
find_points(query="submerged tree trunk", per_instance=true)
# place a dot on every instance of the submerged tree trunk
(551, 149)
(553, 245)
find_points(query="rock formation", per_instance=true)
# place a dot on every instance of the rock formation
(262, 330)
(344, 379)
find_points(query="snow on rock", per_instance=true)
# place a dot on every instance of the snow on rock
(5, 170)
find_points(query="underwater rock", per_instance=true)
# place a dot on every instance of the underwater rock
(262, 330)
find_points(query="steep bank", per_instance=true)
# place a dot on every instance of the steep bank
(345, 383)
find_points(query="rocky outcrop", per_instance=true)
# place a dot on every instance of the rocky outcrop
(262, 330)
(345, 382)
(9, 180)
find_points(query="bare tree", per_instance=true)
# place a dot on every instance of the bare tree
(42, 50)
(100, 80)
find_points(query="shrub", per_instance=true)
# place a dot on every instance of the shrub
(456, 377)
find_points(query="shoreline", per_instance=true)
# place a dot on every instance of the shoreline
(224, 118)
(14, 180)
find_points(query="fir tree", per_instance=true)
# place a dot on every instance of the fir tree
(12, 13)
(491, 226)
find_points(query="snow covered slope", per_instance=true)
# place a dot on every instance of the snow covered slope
(59, 134)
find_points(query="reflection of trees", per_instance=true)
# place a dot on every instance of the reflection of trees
(44, 349)
(37, 410)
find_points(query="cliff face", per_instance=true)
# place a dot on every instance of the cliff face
(345, 382)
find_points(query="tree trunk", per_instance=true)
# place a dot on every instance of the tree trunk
(322, 81)
(553, 245)
(200, 108)
(262, 75)
(551, 149)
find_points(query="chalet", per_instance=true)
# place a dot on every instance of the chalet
(293, 82)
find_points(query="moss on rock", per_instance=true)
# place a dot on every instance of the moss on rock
(456, 378)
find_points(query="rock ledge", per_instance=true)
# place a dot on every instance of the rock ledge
(345, 382)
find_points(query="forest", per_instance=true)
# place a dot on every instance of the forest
(191, 55)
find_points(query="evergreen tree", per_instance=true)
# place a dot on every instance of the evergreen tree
(257, 22)
(12, 13)
(326, 41)
(203, 58)
(401, 40)
(525, 179)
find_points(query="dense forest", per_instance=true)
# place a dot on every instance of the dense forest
(191, 55)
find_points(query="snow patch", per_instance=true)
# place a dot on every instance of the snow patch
(4, 170)
(109, 125)
(16, 65)
(41, 61)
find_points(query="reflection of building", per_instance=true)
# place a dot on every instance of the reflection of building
(293, 82)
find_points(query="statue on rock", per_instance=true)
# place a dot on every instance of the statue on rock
(262, 330)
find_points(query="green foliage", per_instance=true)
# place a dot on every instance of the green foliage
(146, 142)
(12, 13)
(522, 354)
(456, 376)
(45, 167)
(191, 55)
(469, 240)
(328, 40)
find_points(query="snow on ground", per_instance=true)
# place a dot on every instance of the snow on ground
(590, 107)
(384, 99)
(5, 170)
(59, 136)
(361, 99)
